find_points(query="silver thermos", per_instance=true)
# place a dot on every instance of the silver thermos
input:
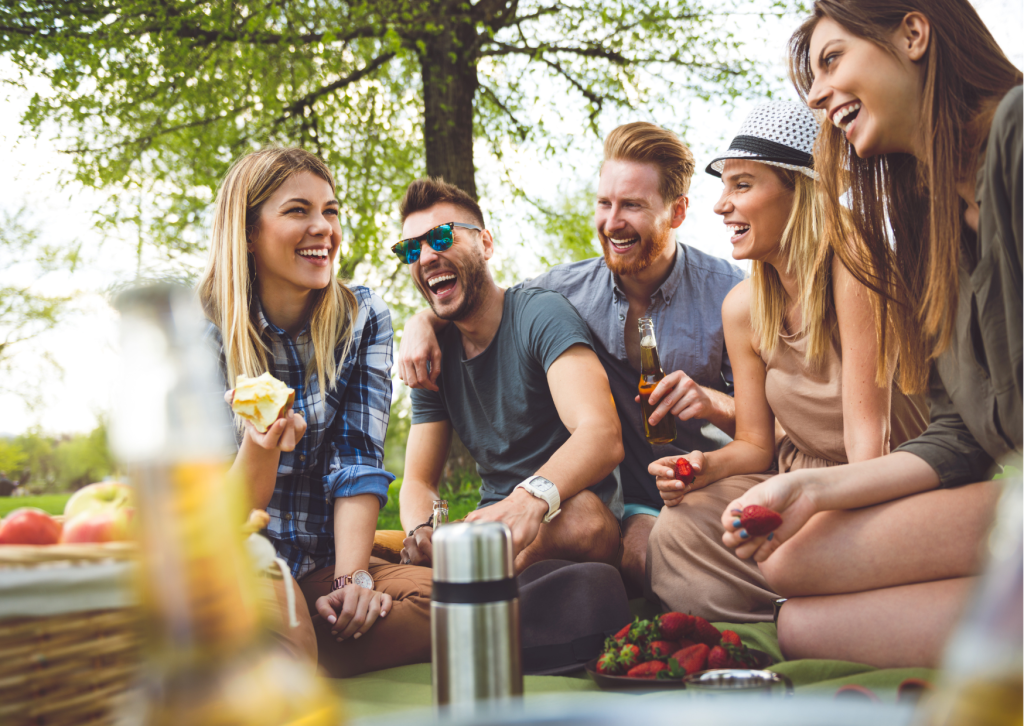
(474, 617)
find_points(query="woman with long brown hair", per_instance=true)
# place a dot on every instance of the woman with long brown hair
(923, 128)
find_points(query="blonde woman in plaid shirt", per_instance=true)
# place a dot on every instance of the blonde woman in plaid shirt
(275, 304)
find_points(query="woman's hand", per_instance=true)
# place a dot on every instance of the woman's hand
(790, 494)
(352, 610)
(670, 488)
(282, 435)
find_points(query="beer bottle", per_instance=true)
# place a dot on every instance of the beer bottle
(650, 374)
(209, 661)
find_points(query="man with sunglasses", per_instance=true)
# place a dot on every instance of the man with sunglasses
(520, 383)
(641, 201)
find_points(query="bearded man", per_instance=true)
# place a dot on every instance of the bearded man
(521, 385)
(641, 201)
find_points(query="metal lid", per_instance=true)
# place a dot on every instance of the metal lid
(472, 552)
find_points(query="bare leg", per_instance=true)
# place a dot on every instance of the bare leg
(636, 533)
(585, 531)
(895, 627)
(936, 535)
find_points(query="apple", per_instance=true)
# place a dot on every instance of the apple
(104, 495)
(261, 400)
(104, 525)
(29, 525)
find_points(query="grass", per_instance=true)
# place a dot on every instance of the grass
(52, 503)
(461, 501)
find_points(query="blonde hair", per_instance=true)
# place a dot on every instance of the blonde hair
(649, 144)
(226, 290)
(810, 260)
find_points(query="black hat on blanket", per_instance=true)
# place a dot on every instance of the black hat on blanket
(567, 609)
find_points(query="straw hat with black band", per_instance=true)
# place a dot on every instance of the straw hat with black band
(779, 133)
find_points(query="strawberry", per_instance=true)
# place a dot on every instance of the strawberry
(758, 520)
(660, 649)
(620, 637)
(649, 669)
(705, 632)
(692, 658)
(630, 655)
(731, 638)
(719, 657)
(675, 626)
(684, 471)
(684, 644)
(608, 664)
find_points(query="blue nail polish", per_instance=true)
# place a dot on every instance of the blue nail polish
(743, 534)
(771, 536)
(735, 524)
(735, 511)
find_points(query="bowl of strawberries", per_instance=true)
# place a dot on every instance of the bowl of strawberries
(661, 652)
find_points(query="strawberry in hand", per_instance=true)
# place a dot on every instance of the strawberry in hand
(684, 471)
(758, 520)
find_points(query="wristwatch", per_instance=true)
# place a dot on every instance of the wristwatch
(541, 488)
(359, 577)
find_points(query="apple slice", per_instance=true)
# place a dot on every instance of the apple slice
(261, 400)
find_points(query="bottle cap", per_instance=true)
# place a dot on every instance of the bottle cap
(472, 552)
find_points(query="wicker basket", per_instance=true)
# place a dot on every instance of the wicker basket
(69, 633)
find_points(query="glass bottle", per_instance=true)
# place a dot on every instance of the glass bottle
(650, 373)
(209, 661)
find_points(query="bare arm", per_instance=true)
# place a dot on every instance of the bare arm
(355, 521)
(419, 355)
(753, 447)
(583, 398)
(866, 405)
(798, 495)
(425, 454)
(259, 455)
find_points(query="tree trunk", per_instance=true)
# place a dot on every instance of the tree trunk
(448, 67)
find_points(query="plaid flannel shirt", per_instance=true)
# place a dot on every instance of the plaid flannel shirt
(342, 452)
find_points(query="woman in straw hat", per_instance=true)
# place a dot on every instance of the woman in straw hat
(275, 304)
(803, 349)
(923, 126)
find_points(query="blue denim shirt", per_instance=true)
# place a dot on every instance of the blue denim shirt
(687, 312)
(342, 452)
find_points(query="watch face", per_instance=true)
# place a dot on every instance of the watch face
(363, 579)
(541, 485)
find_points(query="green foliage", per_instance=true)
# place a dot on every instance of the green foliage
(462, 499)
(159, 96)
(51, 503)
(569, 228)
(12, 458)
(25, 314)
(59, 464)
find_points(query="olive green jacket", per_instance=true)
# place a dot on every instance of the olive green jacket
(975, 391)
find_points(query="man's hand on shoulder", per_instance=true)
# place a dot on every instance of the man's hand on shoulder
(419, 355)
(521, 511)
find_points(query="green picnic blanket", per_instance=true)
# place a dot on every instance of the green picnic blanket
(395, 689)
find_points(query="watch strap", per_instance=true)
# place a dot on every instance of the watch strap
(551, 496)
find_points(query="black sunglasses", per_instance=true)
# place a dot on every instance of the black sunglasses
(440, 238)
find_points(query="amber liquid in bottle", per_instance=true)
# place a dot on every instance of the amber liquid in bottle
(650, 373)
(209, 660)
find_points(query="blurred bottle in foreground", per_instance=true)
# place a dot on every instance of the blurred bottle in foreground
(208, 660)
(982, 682)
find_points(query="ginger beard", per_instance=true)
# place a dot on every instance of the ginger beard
(471, 277)
(644, 251)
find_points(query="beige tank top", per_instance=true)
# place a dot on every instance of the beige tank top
(808, 403)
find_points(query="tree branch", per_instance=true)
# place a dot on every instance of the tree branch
(297, 107)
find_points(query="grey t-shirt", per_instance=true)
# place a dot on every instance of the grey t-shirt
(499, 402)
